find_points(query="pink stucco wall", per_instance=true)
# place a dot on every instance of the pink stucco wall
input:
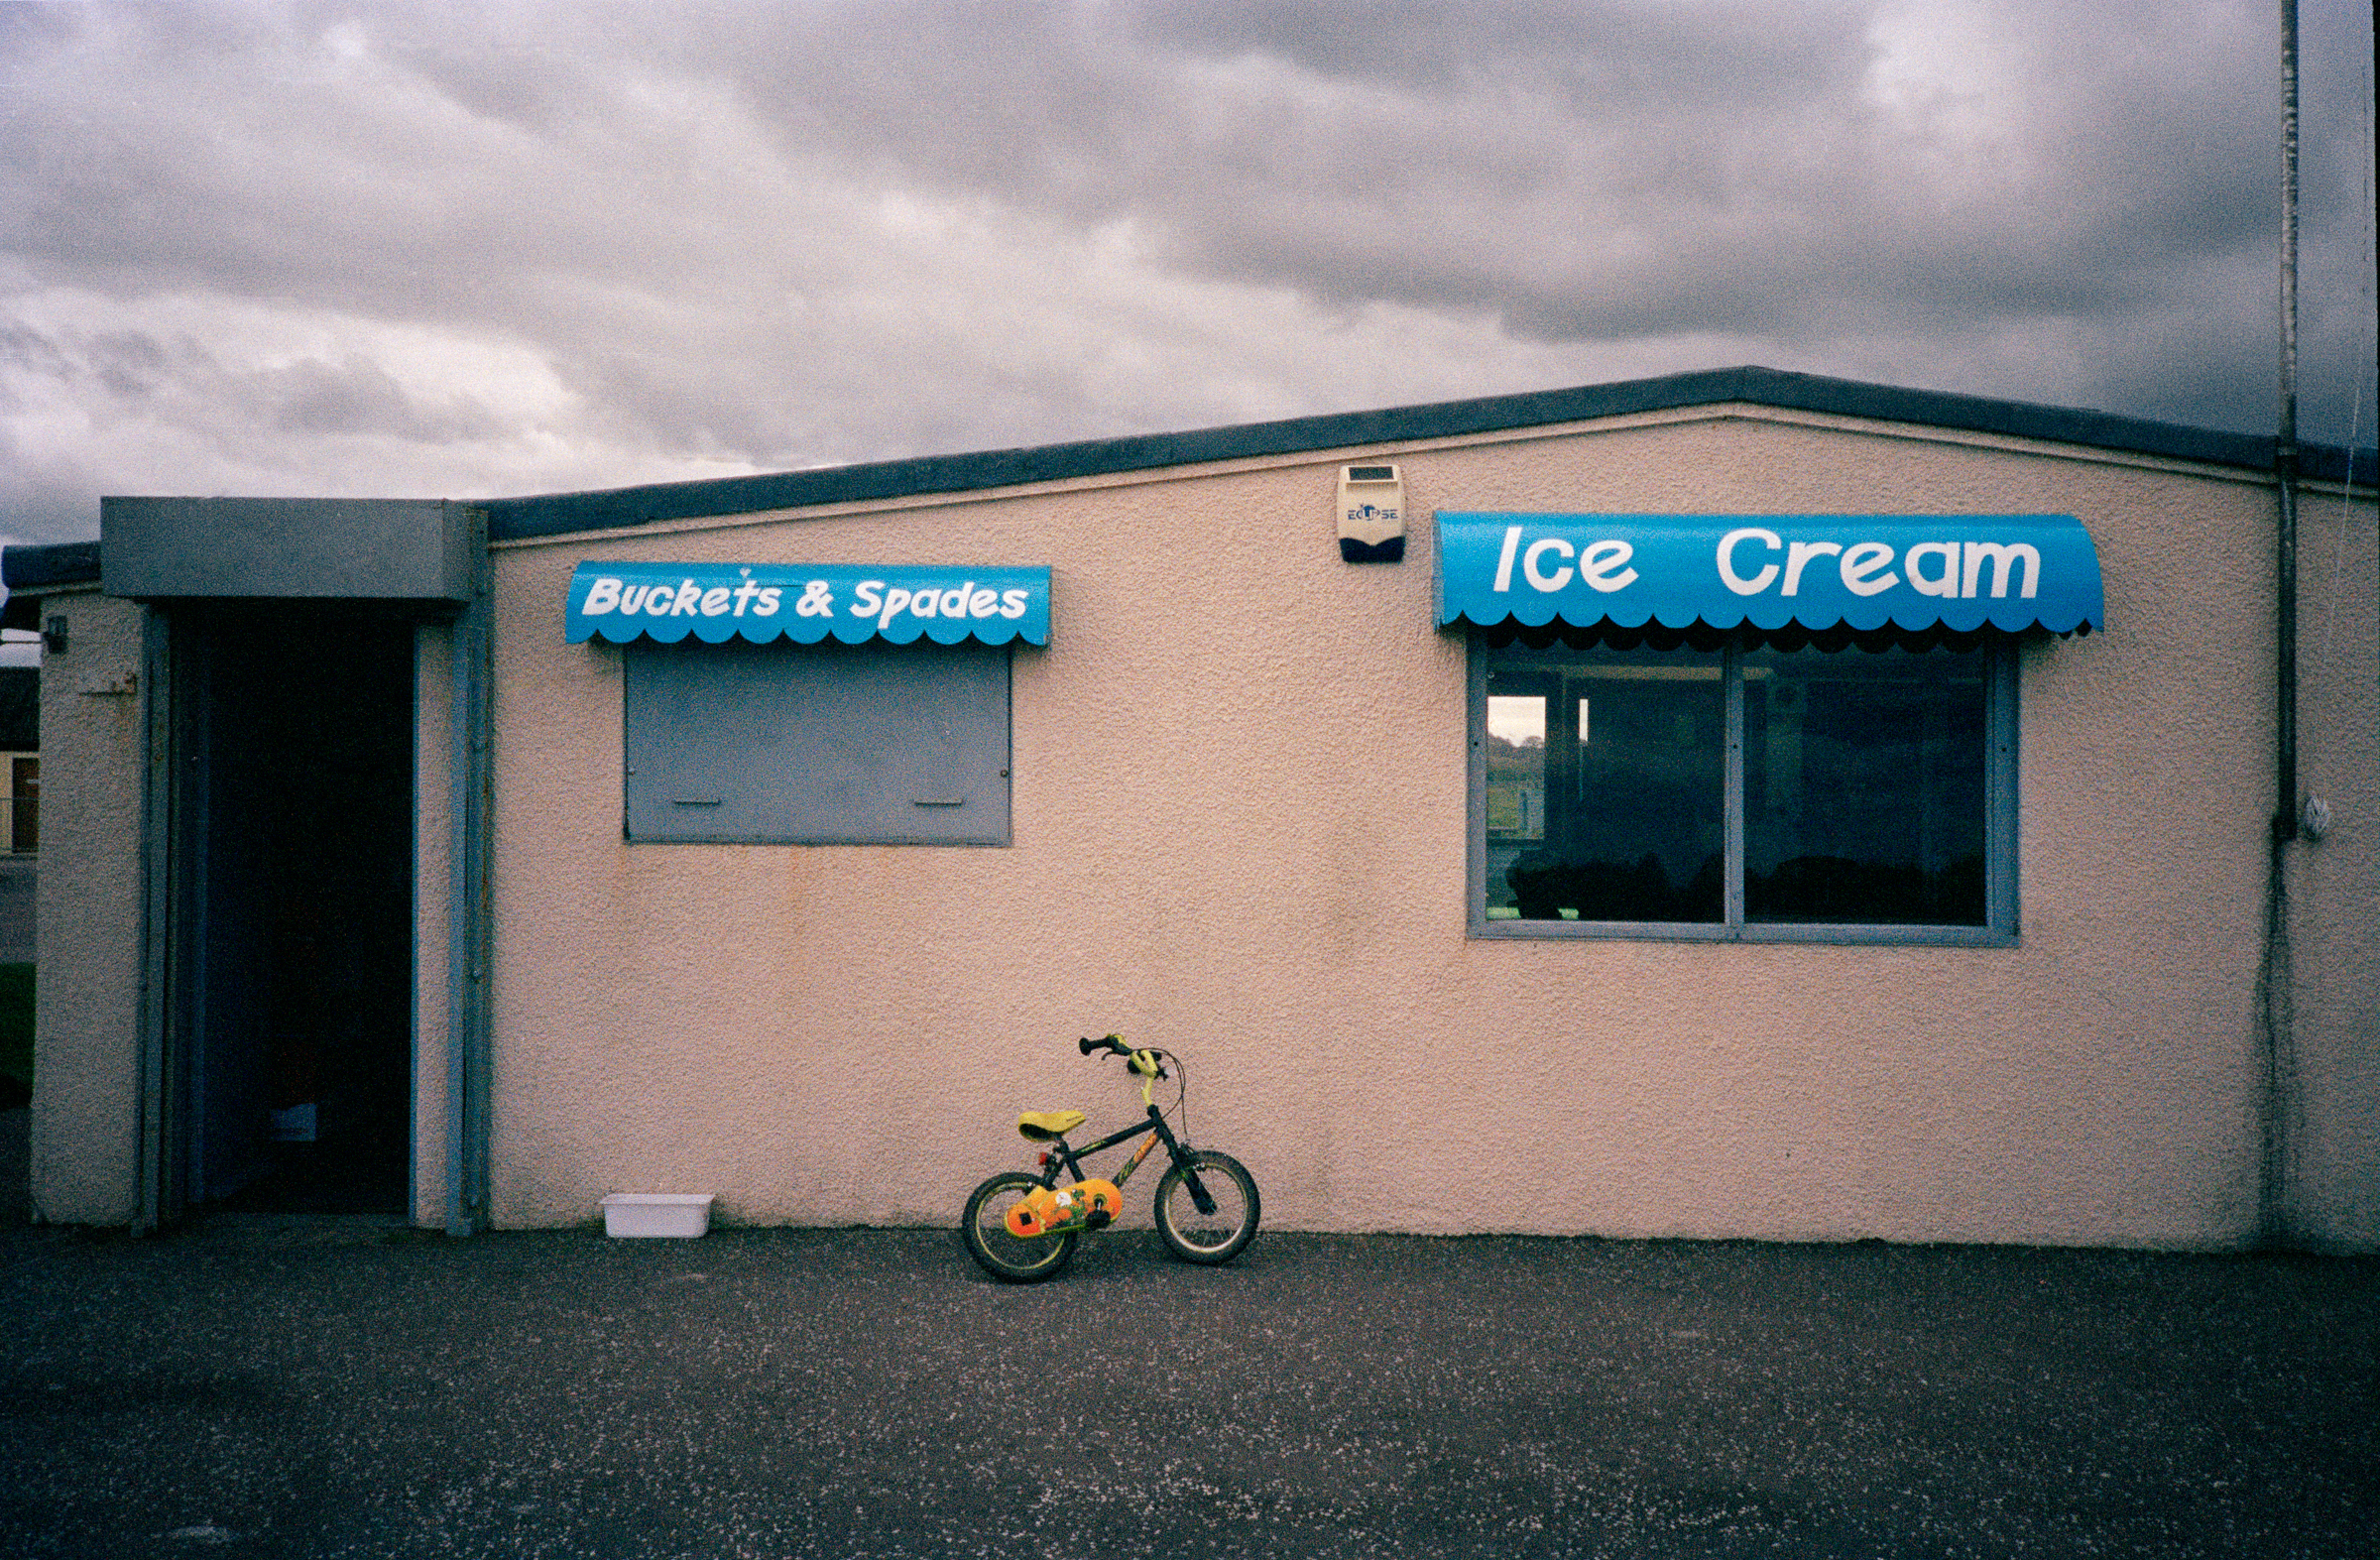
(86, 1122)
(1239, 812)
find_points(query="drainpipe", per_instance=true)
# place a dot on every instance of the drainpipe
(2285, 445)
(467, 948)
(2276, 982)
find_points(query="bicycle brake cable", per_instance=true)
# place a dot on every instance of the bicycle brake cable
(1181, 1097)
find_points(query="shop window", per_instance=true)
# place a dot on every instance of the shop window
(1746, 790)
(828, 744)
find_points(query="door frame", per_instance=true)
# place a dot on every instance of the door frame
(452, 710)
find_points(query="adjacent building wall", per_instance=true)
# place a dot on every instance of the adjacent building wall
(87, 909)
(1240, 816)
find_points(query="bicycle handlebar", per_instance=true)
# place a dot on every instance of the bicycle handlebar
(1114, 1044)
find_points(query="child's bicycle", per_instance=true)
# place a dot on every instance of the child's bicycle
(1022, 1227)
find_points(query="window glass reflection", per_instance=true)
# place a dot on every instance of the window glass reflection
(1865, 787)
(1606, 786)
(1516, 766)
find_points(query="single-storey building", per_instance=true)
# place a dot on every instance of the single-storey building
(1734, 804)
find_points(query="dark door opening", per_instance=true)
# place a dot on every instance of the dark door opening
(25, 806)
(294, 949)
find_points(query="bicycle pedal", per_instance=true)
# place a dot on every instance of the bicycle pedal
(1098, 1218)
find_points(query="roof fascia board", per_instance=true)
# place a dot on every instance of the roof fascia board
(33, 567)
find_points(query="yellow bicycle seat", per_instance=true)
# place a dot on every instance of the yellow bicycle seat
(1046, 1126)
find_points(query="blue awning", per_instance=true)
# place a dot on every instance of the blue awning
(807, 603)
(1916, 571)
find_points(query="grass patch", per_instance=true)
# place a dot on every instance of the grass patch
(16, 1034)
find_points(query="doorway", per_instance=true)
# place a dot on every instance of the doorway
(292, 844)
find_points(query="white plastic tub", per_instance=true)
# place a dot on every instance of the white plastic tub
(652, 1215)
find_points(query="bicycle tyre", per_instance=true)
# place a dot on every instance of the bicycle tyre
(1001, 1254)
(1209, 1238)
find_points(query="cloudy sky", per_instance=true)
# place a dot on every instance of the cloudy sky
(461, 250)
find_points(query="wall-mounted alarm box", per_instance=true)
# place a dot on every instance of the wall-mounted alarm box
(1371, 514)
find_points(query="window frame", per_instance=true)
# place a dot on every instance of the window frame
(2000, 843)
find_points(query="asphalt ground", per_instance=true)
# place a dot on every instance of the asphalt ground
(325, 1388)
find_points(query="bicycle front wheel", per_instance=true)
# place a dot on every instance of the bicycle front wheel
(1009, 1258)
(1207, 1238)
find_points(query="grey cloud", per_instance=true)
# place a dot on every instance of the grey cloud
(681, 407)
(1588, 172)
(126, 365)
(43, 499)
(350, 397)
(1604, 51)
(670, 206)
(22, 347)
(354, 395)
(1702, 128)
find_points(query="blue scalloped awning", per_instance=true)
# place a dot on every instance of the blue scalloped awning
(807, 603)
(1960, 572)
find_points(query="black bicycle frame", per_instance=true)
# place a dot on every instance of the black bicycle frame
(1071, 1159)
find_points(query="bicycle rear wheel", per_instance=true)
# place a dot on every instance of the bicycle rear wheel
(1209, 1238)
(1006, 1256)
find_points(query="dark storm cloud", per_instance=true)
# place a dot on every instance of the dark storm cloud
(1590, 170)
(331, 246)
(1613, 172)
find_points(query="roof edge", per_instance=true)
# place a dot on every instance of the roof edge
(32, 566)
(524, 518)
(49, 565)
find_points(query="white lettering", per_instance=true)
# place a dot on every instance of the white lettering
(1597, 563)
(2004, 557)
(1011, 603)
(766, 606)
(954, 602)
(983, 603)
(1859, 566)
(745, 592)
(866, 597)
(925, 604)
(602, 596)
(817, 601)
(1944, 584)
(690, 600)
(894, 599)
(714, 601)
(658, 600)
(1504, 565)
(1726, 561)
(1798, 556)
(1537, 549)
